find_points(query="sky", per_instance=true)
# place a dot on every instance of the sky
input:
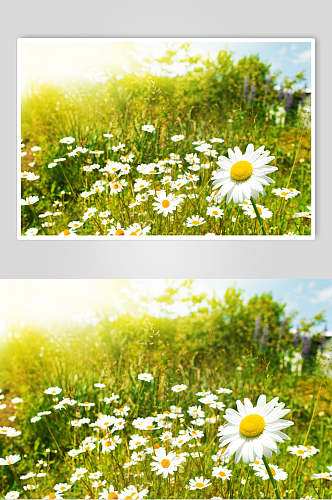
(46, 302)
(57, 60)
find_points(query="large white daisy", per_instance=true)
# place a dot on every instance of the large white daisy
(242, 176)
(252, 432)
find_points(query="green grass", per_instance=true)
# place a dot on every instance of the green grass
(114, 353)
(121, 108)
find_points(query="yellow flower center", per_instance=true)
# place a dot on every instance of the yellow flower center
(214, 212)
(165, 463)
(283, 193)
(119, 232)
(221, 473)
(200, 485)
(51, 496)
(241, 171)
(195, 222)
(300, 452)
(252, 425)
(165, 203)
(115, 186)
(112, 495)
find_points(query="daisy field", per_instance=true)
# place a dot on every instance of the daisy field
(159, 138)
(176, 391)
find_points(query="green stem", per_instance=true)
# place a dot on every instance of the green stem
(258, 216)
(274, 484)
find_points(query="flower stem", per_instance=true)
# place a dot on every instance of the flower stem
(258, 216)
(274, 484)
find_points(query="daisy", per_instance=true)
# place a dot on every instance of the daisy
(62, 487)
(32, 231)
(222, 473)
(199, 483)
(30, 487)
(10, 459)
(224, 390)
(132, 493)
(75, 224)
(322, 475)
(30, 200)
(177, 138)
(285, 193)
(12, 495)
(141, 184)
(264, 213)
(117, 230)
(147, 377)
(67, 140)
(165, 463)
(277, 473)
(215, 212)
(166, 204)
(53, 391)
(136, 441)
(302, 451)
(137, 230)
(195, 220)
(89, 213)
(252, 432)
(242, 176)
(95, 475)
(311, 449)
(148, 128)
(179, 388)
(29, 176)
(111, 493)
(123, 411)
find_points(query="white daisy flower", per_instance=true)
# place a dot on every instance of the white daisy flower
(277, 473)
(215, 212)
(179, 388)
(252, 432)
(147, 377)
(222, 473)
(195, 220)
(53, 391)
(166, 204)
(242, 176)
(199, 483)
(264, 212)
(177, 138)
(165, 463)
(148, 128)
(67, 140)
(12, 495)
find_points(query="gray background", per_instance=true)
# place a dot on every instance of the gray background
(152, 259)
